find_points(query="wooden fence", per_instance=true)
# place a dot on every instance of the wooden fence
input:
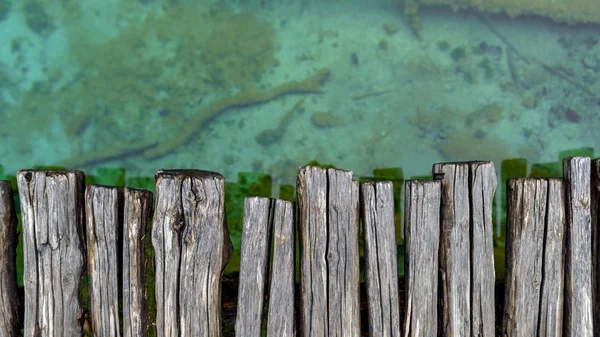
(87, 244)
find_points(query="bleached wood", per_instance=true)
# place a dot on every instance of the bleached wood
(9, 302)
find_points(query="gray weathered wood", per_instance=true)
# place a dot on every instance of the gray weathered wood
(381, 265)
(578, 309)
(103, 225)
(328, 203)
(422, 235)
(595, 215)
(483, 278)
(52, 214)
(527, 206)
(254, 262)
(455, 248)
(191, 248)
(281, 317)
(9, 302)
(552, 299)
(137, 207)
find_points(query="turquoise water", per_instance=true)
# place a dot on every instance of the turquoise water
(268, 86)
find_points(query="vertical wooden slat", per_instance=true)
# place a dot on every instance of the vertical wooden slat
(483, 185)
(254, 262)
(137, 207)
(328, 202)
(551, 303)
(52, 214)
(595, 218)
(455, 248)
(577, 175)
(381, 265)
(422, 235)
(281, 317)
(191, 248)
(527, 202)
(103, 207)
(9, 303)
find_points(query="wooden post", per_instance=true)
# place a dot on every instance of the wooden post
(191, 248)
(422, 235)
(254, 263)
(103, 212)
(595, 215)
(281, 319)
(9, 302)
(466, 247)
(136, 214)
(329, 277)
(577, 175)
(52, 215)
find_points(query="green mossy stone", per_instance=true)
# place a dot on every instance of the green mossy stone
(110, 176)
(546, 170)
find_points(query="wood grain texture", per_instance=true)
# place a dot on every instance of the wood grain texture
(103, 207)
(9, 302)
(422, 236)
(137, 207)
(254, 262)
(52, 214)
(527, 206)
(595, 218)
(455, 248)
(281, 317)
(552, 297)
(381, 258)
(191, 248)
(483, 185)
(578, 310)
(328, 203)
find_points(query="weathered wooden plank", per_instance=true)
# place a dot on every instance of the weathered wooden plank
(422, 236)
(595, 218)
(578, 309)
(137, 207)
(328, 202)
(527, 206)
(254, 262)
(281, 317)
(52, 214)
(455, 248)
(103, 206)
(482, 188)
(381, 265)
(191, 248)
(552, 299)
(9, 302)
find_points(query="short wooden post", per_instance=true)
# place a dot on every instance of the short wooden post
(381, 265)
(281, 318)
(191, 248)
(422, 236)
(577, 175)
(9, 302)
(254, 263)
(329, 276)
(52, 214)
(103, 212)
(136, 214)
(595, 214)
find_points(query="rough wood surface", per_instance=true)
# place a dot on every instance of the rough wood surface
(103, 206)
(52, 215)
(595, 214)
(526, 220)
(381, 260)
(9, 302)
(191, 248)
(281, 317)
(137, 207)
(254, 262)
(552, 299)
(483, 185)
(328, 203)
(422, 236)
(578, 310)
(455, 248)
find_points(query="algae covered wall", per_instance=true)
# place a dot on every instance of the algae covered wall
(571, 11)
